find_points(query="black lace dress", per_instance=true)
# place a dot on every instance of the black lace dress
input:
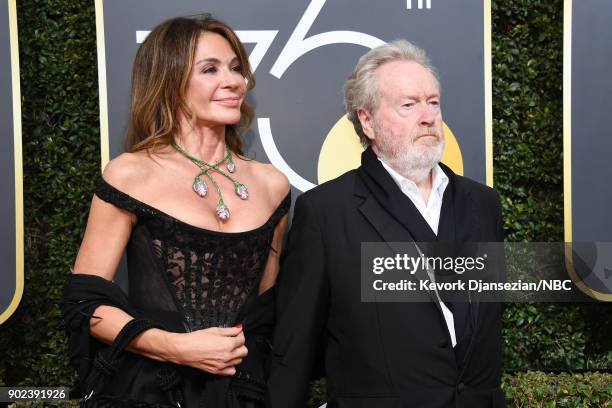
(183, 278)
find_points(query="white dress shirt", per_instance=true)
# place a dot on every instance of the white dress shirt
(430, 211)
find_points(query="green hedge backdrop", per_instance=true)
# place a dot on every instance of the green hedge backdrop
(59, 89)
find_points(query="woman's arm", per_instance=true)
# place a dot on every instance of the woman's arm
(279, 187)
(268, 279)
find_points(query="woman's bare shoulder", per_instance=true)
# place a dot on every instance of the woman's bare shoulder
(273, 179)
(127, 169)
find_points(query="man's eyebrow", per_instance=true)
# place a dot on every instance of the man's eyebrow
(429, 96)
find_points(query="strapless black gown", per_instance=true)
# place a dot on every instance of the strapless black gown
(183, 278)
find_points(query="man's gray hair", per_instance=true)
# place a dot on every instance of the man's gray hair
(361, 88)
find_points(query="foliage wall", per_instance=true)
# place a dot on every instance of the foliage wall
(528, 160)
(60, 133)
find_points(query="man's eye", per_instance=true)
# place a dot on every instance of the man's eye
(435, 103)
(408, 105)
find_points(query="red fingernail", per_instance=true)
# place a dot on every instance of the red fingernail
(238, 326)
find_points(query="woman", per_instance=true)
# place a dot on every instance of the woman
(202, 247)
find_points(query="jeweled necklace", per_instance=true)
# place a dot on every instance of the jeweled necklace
(201, 188)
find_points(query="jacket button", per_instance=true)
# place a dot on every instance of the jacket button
(460, 387)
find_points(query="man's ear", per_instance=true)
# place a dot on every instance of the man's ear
(366, 120)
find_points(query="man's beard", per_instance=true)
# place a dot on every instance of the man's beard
(401, 154)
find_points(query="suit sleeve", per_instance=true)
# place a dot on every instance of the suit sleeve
(302, 307)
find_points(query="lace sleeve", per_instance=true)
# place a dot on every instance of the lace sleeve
(118, 198)
(281, 210)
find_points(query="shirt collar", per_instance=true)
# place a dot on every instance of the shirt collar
(439, 179)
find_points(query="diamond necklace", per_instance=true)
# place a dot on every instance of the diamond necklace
(201, 188)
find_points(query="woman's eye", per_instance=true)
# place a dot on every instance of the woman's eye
(209, 70)
(237, 68)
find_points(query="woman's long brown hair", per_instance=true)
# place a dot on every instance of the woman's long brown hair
(159, 83)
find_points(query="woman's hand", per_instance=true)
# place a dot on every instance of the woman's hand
(216, 350)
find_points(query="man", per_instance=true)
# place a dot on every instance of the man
(436, 354)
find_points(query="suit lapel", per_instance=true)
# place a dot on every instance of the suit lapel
(386, 192)
(390, 212)
(448, 223)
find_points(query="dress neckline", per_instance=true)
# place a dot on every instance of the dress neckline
(286, 202)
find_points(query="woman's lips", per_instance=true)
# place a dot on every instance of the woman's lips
(231, 102)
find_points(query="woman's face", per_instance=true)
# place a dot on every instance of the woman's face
(216, 87)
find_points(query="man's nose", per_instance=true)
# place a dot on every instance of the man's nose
(428, 115)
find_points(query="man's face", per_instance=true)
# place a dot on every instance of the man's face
(407, 129)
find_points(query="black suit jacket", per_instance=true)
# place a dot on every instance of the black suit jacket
(378, 354)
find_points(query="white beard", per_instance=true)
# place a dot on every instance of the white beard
(413, 162)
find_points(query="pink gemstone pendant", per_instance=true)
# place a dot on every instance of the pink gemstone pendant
(231, 167)
(223, 212)
(242, 192)
(200, 187)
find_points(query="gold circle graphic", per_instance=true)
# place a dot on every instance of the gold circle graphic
(341, 151)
